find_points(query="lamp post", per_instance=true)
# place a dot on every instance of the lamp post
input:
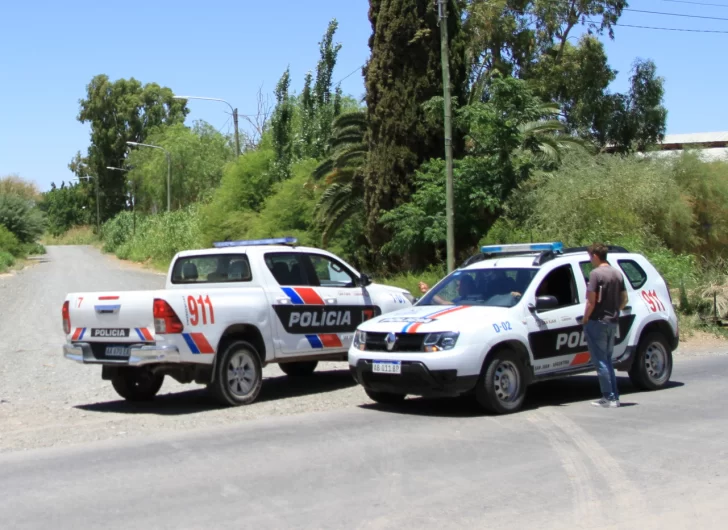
(169, 169)
(98, 209)
(235, 116)
(133, 197)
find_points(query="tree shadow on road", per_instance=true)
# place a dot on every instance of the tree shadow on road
(555, 393)
(200, 400)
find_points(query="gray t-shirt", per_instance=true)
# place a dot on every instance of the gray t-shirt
(608, 283)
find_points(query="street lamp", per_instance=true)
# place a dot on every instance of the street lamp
(98, 210)
(169, 169)
(235, 116)
(133, 197)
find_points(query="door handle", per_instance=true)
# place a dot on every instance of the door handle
(284, 300)
(330, 301)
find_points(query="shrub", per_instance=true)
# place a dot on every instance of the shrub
(21, 217)
(78, 235)
(7, 260)
(8, 242)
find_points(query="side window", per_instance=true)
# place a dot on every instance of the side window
(586, 268)
(634, 273)
(219, 268)
(331, 273)
(287, 268)
(560, 284)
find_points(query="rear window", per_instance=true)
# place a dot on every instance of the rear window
(634, 273)
(219, 268)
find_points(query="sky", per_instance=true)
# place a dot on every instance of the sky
(50, 50)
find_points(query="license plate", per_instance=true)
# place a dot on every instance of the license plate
(119, 352)
(387, 367)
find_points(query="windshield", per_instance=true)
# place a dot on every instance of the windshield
(484, 287)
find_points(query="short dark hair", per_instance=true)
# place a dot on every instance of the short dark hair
(599, 250)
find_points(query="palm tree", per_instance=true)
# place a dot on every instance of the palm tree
(547, 139)
(342, 173)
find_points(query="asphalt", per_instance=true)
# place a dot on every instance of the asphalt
(658, 462)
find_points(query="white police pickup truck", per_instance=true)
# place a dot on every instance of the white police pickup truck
(224, 314)
(509, 317)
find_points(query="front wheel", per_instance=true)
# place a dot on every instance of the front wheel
(137, 384)
(238, 375)
(298, 369)
(502, 385)
(652, 367)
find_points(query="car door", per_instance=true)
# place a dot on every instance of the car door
(294, 303)
(347, 303)
(554, 335)
(634, 278)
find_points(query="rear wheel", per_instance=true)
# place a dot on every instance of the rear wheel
(298, 369)
(238, 375)
(137, 384)
(385, 398)
(652, 367)
(502, 384)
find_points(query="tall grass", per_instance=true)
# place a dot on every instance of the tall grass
(78, 235)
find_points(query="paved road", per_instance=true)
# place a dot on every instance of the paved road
(660, 462)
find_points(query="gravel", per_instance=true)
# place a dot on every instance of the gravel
(47, 401)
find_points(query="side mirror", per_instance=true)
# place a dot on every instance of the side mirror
(364, 280)
(546, 302)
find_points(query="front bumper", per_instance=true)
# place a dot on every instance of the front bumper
(139, 355)
(415, 379)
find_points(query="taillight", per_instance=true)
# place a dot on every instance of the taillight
(165, 319)
(66, 315)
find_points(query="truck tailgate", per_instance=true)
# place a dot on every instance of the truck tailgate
(116, 318)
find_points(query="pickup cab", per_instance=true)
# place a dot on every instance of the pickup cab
(224, 314)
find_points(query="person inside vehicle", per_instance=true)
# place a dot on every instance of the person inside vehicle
(466, 287)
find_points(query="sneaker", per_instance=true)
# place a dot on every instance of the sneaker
(601, 403)
(614, 404)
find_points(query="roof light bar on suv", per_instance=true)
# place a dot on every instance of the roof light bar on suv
(257, 242)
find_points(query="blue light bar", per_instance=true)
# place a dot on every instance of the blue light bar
(257, 242)
(522, 247)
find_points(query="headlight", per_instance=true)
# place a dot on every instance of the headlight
(360, 340)
(440, 341)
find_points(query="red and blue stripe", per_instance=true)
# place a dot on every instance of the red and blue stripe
(143, 334)
(308, 296)
(197, 342)
(411, 327)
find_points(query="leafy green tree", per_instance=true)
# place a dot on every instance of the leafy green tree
(506, 139)
(198, 156)
(120, 111)
(404, 72)
(282, 133)
(14, 185)
(342, 174)
(66, 207)
(637, 119)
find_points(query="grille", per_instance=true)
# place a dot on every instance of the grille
(406, 342)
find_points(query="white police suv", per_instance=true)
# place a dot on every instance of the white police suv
(509, 317)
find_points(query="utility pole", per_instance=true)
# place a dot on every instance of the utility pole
(237, 134)
(449, 199)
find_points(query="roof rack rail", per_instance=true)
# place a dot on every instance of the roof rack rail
(610, 248)
(291, 241)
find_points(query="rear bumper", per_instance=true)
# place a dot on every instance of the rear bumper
(139, 355)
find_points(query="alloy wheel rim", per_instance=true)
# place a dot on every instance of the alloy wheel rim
(241, 375)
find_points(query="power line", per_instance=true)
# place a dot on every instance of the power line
(695, 3)
(671, 29)
(672, 14)
(352, 73)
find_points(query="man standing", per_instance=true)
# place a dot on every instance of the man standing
(606, 297)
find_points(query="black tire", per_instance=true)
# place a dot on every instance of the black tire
(298, 369)
(238, 375)
(501, 388)
(137, 384)
(385, 398)
(652, 365)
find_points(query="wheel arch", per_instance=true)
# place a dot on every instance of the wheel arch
(659, 326)
(235, 332)
(516, 346)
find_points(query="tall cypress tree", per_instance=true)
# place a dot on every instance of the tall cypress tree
(403, 72)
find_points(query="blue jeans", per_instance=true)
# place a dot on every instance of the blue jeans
(600, 339)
